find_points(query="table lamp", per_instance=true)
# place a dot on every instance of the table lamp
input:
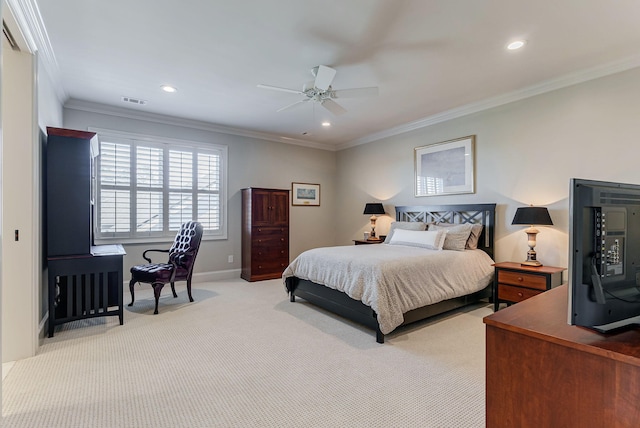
(373, 209)
(532, 216)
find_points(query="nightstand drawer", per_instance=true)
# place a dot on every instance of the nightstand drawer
(515, 294)
(522, 279)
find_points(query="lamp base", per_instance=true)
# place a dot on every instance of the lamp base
(532, 256)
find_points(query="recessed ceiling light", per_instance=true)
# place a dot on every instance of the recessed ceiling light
(326, 123)
(517, 44)
(168, 88)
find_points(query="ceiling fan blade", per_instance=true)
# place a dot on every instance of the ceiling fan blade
(276, 88)
(293, 105)
(324, 77)
(355, 92)
(333, 107)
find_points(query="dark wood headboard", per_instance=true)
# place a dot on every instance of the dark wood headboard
(484, 214)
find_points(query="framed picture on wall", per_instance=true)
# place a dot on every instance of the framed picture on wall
(305, 194)
(445, 168)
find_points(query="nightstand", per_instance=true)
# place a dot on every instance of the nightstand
(367, 242)
(514, 283)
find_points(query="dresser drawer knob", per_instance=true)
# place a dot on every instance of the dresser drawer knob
(519, 294)
(520, 278)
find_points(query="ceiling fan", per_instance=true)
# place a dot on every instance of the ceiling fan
(320, 91)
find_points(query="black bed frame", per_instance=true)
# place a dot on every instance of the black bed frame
(338, 302)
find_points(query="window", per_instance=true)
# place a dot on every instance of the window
(147, 187)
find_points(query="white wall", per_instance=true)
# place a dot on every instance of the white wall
(526, 152)
(19, 206)
(49, 106)
(252, 163)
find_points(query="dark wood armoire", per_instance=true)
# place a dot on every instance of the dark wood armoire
(265, 233)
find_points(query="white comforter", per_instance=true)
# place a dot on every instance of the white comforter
(394, 279)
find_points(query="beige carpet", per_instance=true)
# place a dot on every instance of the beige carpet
(242, 355)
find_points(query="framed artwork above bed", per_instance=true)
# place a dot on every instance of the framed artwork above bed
(445, 168)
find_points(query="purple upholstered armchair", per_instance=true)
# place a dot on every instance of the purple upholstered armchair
(182, 257)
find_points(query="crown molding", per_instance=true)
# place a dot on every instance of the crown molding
(540, 88)
(29, 20)
(91, 107)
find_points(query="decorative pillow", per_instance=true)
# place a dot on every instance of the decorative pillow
(432, 240)
(405, 225)
(457, 236)
(472, 242)
(474, 237)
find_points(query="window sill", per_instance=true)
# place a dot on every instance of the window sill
(151, 240)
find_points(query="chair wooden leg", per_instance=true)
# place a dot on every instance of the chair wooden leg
(189, 289)
(157, 288)
(131, 284)
(173, 289)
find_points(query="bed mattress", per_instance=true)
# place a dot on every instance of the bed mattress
(394, 279)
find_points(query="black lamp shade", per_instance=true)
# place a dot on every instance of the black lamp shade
(532, 215)
(377, 209)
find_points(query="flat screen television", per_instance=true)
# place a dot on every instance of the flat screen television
(604, 254)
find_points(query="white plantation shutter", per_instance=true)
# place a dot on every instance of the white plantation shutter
(149, 212)
(115, 175)
(149, 181)
(148, 189)
(180, 177)
(180, 209)
(115, 210)
(209, 172)
(180, 170)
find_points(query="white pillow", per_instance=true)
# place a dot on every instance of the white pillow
(407, 225)
(433, 240)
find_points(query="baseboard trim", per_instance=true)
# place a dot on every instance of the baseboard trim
(216, 275)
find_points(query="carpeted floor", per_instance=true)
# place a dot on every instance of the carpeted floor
(242, 355)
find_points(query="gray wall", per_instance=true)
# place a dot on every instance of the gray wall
(49, 114)
(526, 152)
(252, 163)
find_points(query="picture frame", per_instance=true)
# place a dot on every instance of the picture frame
(305, 194)
(445, 168)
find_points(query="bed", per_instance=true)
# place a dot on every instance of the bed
(385, 286)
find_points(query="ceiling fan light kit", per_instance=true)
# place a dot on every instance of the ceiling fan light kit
(320, 91)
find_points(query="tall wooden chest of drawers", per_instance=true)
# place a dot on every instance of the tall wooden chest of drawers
(265, 233)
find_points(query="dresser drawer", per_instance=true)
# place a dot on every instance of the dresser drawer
(271, 242)
(515, 294)
(269, 230)
(277, 265)
(263, 254)
(522, 279)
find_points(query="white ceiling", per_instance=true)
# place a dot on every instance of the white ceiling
(428, 57)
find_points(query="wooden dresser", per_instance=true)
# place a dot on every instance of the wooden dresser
(543, 372)
(265, 233)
